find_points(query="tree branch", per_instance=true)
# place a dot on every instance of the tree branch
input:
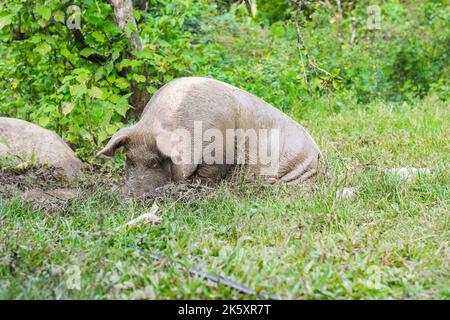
(97, 58)
(248, 5)
(123, 14)
(300, 42)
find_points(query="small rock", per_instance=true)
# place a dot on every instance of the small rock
(346, 193)
(407, 173)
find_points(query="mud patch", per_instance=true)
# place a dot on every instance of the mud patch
(39, 185)
(57, 199)
(183, 192)
(13, 181)
(46, 188)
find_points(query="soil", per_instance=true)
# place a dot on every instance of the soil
(46, 188)
(40, 186)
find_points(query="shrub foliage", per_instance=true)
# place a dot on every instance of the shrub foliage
(81, 82)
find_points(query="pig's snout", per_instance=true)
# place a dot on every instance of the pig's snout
(140, 183)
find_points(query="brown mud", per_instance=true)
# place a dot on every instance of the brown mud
(46, 187)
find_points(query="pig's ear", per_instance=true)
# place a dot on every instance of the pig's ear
(119, 139)
(180, 169)
(164, 144)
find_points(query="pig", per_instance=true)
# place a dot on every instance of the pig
(187, 132)
(24, 140)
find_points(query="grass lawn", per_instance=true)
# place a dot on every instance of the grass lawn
(390, 241)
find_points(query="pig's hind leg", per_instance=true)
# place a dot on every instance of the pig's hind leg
(302, 172)
(303, 177)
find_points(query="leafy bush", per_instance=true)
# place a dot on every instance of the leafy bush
(48, 75)
(83, 84)
(391, 63)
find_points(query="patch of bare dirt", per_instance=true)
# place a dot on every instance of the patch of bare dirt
(43, 178)
(50, 199)
(39, 185)
(45, 187)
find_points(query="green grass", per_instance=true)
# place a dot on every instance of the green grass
(391, 241)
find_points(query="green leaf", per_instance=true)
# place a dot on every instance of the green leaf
(111, 78)
(122, 83)
(335, 71)
(178, 66)
(43, 48)
(65, 52)
(151, 89)
(114, 98)
(115, 55)
(99, 73)
(78, 90)
(102, 136)
(37, 38)
(122, 106)
(125, 63)
(121, 109)
(43, 121)
(277, 29)
(59, 16)
(95, 92)
(168, 78)
(164, 43)
(45, 12)
(111, 129)
(139, 78)
(100, 37)
(5, 20)
(67, 108)
(83, 75)
(86, 52)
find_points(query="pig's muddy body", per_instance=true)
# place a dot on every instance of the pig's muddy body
(200, 129)
(23, 140)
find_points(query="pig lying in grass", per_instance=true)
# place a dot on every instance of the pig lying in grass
(200, 129)
(23, 140)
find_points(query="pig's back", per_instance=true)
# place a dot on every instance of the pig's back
(221, 105)
(22, 138)
(184, 100)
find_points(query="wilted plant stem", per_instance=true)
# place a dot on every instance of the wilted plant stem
(300, 42)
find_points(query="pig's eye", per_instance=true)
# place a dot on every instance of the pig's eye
(151, 164)
(130, 162)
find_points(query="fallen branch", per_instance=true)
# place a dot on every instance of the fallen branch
(146, 218)
(151, 217)
(217, 279)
